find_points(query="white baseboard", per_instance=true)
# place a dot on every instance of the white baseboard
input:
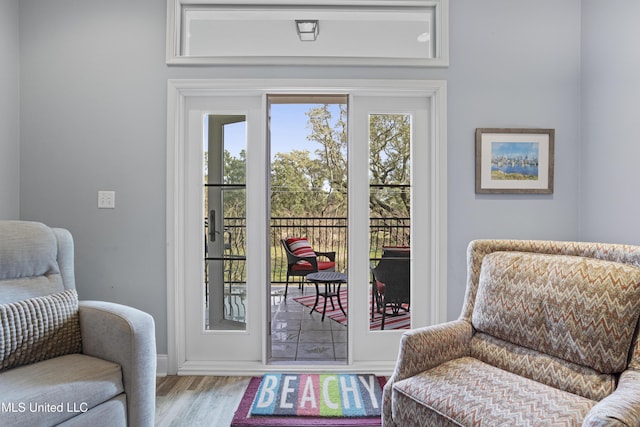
(162, 365)
(257, 368)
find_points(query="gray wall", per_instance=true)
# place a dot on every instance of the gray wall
(94, 117)
(610, 206)
(9, 111)
(513, 64)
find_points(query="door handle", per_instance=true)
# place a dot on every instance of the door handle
(212, 225)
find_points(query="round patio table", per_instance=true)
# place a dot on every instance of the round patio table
(332, 281)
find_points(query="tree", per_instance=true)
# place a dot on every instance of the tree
(389, 164)
(235, 173)
(332, 155)
(297, 185)
(315, 184)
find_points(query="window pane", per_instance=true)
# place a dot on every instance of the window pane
(225, 224)
(396, 32)
(390, 219)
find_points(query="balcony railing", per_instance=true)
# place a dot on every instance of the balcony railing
(324, 234)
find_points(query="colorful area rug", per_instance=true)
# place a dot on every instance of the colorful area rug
(284, 389)
(401, 321)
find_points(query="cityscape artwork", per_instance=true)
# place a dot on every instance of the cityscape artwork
(515, 161)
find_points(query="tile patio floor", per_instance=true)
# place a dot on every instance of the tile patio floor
(300, 337)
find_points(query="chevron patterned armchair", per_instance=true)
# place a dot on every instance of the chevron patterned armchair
(547, 336)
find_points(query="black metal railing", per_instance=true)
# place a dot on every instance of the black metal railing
(324, 234)
(388, 232)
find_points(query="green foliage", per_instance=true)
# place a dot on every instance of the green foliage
(234, 168)
(297, 185)
(235, 173)
(331, 156)
(389, 164)
(306, 184)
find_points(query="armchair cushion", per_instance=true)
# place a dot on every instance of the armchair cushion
(305, 266)
(552, 371)
(29, 266)
(55, 390)
(39, 328)
(466, 390)
(581, 310)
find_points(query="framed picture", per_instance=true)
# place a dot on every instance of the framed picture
(514, 161)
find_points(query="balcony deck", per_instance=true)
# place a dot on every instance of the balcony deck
(297, 336)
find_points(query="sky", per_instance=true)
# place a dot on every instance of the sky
(288, 130)
(514, 149)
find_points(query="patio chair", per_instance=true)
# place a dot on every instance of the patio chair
(377, 289)
(303, 260)
(391, 279)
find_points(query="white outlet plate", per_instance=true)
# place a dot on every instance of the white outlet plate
(106, 199)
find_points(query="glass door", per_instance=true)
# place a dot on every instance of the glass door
(224, 260)
(390, 136)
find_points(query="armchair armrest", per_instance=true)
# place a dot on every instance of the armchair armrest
(424, 348)
(331, 255)
(620, 408)
(126, 336)
(311, 260)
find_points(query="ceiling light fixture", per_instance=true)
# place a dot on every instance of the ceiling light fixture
(308, 29)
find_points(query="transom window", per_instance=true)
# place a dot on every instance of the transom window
(374, 32)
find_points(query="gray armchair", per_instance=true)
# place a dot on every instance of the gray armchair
(65, 362)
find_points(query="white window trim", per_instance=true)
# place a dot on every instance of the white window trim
(175, 22)
(181, 90)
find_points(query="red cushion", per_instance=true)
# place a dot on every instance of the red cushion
(305, 266)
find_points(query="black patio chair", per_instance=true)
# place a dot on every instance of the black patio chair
(392, 285)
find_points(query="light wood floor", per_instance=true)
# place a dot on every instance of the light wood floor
(198, 401)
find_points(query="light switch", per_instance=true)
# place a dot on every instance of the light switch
(106, 199)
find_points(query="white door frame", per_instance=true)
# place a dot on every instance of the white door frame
(435, 262)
